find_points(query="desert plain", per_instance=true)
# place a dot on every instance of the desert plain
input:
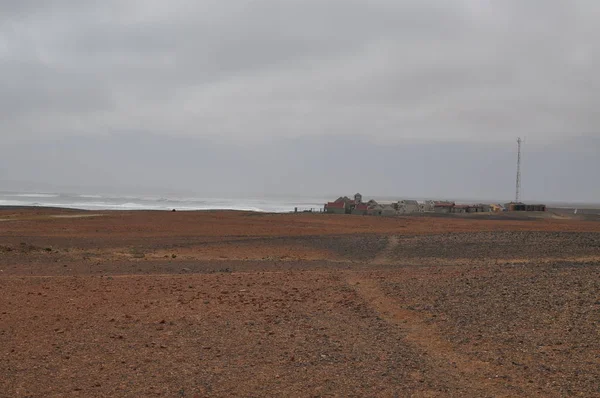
(238, 304)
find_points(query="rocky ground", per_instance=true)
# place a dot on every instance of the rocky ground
(241, 304)
(513, 246)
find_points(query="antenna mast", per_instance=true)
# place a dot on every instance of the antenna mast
(518, 194)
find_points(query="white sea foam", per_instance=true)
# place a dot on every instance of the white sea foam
(115, 202)
(4, 202)
(35, 195)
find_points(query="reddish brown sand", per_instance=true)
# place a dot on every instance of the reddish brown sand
(240, 304)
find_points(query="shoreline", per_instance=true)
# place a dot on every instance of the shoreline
(75, 209)
(592, 215)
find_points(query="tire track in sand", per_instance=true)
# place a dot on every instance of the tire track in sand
(385, 256)
(478, 378)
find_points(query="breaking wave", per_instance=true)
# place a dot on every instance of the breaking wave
(35, 195)
(114, 202)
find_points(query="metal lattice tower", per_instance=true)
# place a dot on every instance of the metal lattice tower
(518, 193)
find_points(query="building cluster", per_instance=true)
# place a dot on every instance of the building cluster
(524, 207)
(346, 205)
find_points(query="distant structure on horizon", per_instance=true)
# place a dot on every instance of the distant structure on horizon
(518, 190)
(345, 205)
(517, 205)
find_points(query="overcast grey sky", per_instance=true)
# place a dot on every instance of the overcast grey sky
(287, 95)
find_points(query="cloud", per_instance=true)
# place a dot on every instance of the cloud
(386, 73)
(432, 70)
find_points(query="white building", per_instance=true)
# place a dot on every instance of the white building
(408, 206)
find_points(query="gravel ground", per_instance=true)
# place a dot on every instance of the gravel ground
(499, 245)
(284, 334)
(540, 323)
(250, 305)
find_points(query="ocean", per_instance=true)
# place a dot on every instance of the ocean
(273, 204)
(149, 202)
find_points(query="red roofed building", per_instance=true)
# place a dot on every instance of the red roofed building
(336, 207)
(443, 207)
(361, 209)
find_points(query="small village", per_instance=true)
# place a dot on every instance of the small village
(346, 205)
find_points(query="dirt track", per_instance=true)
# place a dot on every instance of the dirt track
(240, 304)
